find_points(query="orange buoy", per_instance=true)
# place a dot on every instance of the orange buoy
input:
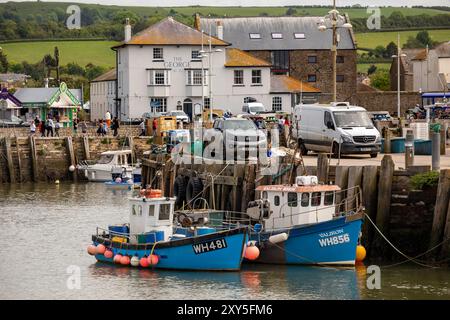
(251, 253)
(92, 250)
(117, 258)
(101, 249)
(144, 262)
(360, 253)
(125, 260)
(108, 254)
(153, 259)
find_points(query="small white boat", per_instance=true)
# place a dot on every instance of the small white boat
(101, 170)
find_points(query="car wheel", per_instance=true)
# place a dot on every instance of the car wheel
(373, 155)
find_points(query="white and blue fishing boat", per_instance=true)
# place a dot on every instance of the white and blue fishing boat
(304, 224)
(149, 240)
(121, 179)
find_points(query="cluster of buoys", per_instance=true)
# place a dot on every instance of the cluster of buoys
(360, 253)
(150, 193)
(151, 260)
(251, 251)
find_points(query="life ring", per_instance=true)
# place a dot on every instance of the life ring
(179, 190)
(194, 188)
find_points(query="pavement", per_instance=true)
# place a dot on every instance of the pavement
(366, 160)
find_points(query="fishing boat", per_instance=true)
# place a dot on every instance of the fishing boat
(304, 224)
(121, 180)
(151, 239)
(100, 171)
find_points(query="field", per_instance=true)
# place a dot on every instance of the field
(81, 52)
(363, 67)
(373, 39)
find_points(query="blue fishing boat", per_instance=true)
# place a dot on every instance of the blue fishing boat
(122, 180)
(151, 240)
(306, 223)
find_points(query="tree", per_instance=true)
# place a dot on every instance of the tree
(291, 12)
(4, 64)
(424, 38)
(380, 80)
(391, 49)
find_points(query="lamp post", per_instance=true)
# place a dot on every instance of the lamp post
(398, 56)
(337, 22)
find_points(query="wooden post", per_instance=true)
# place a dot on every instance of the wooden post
(445, 250)
(369, 193)
(19, 160)
(440, 209)
(237, 190)
(443, 138)
(384, 205)
(11, 171)
(71, 154)
(341, 181)
(34, 166)
(131, 145)
(87, 153)
(387, 140)
(322, 168)
(354, 181)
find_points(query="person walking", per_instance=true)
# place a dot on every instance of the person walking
(108, 119)
(75, 126)
(42, 128)
(32, 128)
(142, 126)
(57, 127)
(37, 121)
(115, 126)
(100, 130)
(49, 127)
(154, 126)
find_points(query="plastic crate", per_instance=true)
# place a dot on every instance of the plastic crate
(150, 237)
(422, 147)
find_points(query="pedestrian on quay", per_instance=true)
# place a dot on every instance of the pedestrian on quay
(75, 126)
(83, 126)
(49, 125)
(42, 128)
(108, 119)
(37, 121)
(100, 130)
(115, 126)
(280, 123)
(154, 126)
(142, 126)
(57, 127)
(32, 128)
(105, 127)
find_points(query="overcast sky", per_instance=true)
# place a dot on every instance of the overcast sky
(168, 3)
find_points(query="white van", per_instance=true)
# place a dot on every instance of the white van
(253, 108)
(336, 127)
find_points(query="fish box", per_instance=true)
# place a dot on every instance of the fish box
(422, 147)
(119, 239)
(151, 237)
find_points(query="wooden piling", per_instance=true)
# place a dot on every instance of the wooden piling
(71, 154)
(85, 143)
(33, 154)
(341, 178)
(19, 159)
(369, 193)
(384, 205)
(11, 171)
(322, 168)
(440, 209)
(354, 181)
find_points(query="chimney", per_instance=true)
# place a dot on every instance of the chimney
(219, 30)
(127, 30)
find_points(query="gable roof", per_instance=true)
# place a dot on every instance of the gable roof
(286, 84)
(442, 51)
(111, 75)
(238, 58)
(5, 95)
(171, 32)
(41, 95)
(237, 32)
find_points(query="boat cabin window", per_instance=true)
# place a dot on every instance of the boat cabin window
(305, 199)
(137, 210)
(151, 211)
(276, 200)
(264, 195)
(329, 198)
(316, 198)
(164, 211)
(105, 158)
(292, 199)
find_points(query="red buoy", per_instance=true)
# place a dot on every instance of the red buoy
(153, 259)
(92, 250)
(108, 254)
(101, 249)
(252, 253)
(117, 258)
(125, 260)
(144, 262)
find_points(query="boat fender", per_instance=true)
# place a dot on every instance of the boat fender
(117, 258)
(134, 261)
(108, 254)
(125, 260)
(143, 262)
(101, 249)
(153, 259)
(92, 250)
(251, 253)
(277, 238)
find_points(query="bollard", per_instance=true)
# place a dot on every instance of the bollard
(409, 149)
(435, 151)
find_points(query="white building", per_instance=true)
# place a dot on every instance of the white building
(162, 67)
(102, 95)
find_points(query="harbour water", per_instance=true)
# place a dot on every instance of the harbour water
(45, 229)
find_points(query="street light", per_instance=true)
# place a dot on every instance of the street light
(401, 55)
(337, 22)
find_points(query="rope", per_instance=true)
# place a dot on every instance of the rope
(408, 258)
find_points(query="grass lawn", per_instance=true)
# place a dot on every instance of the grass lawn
(363, 67)
(81, 52)
(373, 39)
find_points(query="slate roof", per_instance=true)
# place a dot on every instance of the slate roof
(5, 95)
(171, 32)
(111, 75)
(41, 95)
(237, 32)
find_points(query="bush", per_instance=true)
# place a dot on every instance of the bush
(425, 180)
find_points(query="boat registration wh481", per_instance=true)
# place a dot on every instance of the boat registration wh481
(334, 240)
(208, 246)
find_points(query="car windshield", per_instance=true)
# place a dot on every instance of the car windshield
(178, 113)
(239, 124)
(105, 158)
(257, 109)
(352, 119)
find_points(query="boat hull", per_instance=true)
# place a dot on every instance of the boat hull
(101, 174)
(119, 185)
(332, 242)
(188, 253)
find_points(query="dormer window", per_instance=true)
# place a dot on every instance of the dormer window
(255, 36)
(158, 54)
(277, 35)
(299, 35)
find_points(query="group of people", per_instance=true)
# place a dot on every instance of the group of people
(48, 128)
(104, 126)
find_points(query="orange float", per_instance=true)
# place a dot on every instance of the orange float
(153, 259)
(144, 262)
(117, 258)
(251, 253)
(100, 249)
(125, 260)
(108, 254)
(92, 250)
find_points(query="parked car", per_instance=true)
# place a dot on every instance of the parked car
(13, 122)
(253, 108)
(380, 116)
(180, 115)
(339, 128)
(238, 135)
(148, 115)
